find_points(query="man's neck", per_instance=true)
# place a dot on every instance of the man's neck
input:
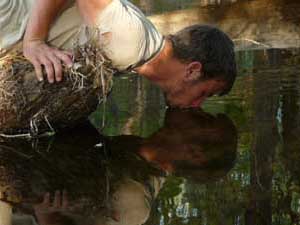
(157, 69)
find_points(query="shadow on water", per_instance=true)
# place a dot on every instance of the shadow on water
(85, 178)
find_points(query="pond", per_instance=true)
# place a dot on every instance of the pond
(235, 161)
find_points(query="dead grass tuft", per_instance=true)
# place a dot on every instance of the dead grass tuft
(91, 70)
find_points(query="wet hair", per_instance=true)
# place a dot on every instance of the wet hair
(210, 46)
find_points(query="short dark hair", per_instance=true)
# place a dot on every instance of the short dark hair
(210, 46)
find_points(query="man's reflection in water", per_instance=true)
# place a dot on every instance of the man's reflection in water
(193, 144)
(72, 182)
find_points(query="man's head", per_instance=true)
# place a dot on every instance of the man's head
(203, 64)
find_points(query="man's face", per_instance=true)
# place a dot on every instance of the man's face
(186, 86)
(192, 94)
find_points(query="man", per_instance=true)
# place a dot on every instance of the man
(189, 66)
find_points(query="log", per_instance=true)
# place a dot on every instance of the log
(30, 107)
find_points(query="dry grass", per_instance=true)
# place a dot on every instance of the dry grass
(90, 66)
(7, 84)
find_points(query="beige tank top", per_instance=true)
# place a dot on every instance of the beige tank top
(13, 19)
(133, 39)
(128, 38)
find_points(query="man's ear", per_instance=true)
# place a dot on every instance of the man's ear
(193, 71)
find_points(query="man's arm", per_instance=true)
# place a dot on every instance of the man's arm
(34, 46)
(90, 9)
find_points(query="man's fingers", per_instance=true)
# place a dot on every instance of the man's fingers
(65, 201)
(57, 199)
(40, 54)
(38, 70)
(57, 68)
(49, 70)
(69, 53)
(46, 200)
(58, 71)
(65, 57)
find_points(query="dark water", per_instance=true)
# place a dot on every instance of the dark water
(235, 161)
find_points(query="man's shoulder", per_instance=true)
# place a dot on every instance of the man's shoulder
(134, 38)
(122, 11)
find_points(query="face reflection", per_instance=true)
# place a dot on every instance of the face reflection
(192, 138)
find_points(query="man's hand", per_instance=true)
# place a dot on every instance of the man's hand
(48, 212)
(40, 54)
